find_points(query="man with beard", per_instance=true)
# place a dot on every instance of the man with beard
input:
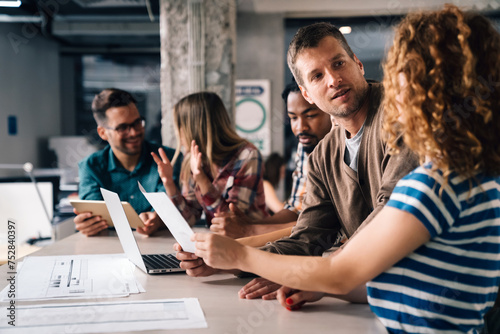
(351, 172)
(309, 124)
(124, 161)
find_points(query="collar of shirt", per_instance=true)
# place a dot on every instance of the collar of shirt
(115, 165)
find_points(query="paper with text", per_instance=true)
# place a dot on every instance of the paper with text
(75, 276)
(118, 316)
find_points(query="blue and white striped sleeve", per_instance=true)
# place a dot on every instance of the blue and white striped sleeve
(418, 194)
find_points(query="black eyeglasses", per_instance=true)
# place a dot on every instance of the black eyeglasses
(124, 128)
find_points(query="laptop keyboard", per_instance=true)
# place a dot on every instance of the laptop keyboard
(160, 261)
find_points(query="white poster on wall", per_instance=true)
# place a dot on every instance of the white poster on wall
(253, 113)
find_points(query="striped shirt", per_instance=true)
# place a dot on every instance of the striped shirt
(299, 176)
(450, 282)
(239, 181)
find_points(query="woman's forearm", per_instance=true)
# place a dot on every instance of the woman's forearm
(298, 272)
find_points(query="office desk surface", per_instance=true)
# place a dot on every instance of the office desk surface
(218, 295)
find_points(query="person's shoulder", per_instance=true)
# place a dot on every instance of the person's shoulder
(376, 89)
(249, 148)
(377, 85)
(425, 175)
(328, 149)
(170, 151)
(247, 151)
(330, 141)
(418, 172)
(155, 146)
(376, 96)
(429, 180)
(96, 159)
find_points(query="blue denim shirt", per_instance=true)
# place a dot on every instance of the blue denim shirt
(102, 169)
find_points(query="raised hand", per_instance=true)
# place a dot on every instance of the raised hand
(165, 169)
(199, 175)
(196, 160)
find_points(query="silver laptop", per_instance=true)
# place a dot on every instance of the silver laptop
(151, 263)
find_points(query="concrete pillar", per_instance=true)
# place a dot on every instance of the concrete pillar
(198, 52)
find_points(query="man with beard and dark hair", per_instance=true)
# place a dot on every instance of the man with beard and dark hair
(309, 124)
(124, 161)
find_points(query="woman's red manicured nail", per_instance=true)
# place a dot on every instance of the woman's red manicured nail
(289, 301)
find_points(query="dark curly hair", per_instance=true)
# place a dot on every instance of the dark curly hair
(442, 91)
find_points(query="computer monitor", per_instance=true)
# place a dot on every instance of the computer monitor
(19, 201)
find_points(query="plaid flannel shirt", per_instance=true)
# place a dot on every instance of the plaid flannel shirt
(239, 181)
(299, 177)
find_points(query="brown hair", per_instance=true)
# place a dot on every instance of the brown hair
(309, 37)
(204, 119)
(109, 98)
(450, 106)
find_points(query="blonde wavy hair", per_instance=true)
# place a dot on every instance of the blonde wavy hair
(448, 112)
(204, 119)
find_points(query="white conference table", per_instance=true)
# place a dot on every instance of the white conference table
(218, 295)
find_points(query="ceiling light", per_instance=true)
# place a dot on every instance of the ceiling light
(345, 30)
(10, 3)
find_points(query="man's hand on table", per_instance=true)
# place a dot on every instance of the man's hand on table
(259, 287)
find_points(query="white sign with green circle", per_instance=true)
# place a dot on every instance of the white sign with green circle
(252, 116)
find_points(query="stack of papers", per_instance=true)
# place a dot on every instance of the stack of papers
(75, 276)
(90, 276)
(119, 316)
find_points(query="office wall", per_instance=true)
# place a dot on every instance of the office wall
(30, 83)
(29, 90)
(260, 55)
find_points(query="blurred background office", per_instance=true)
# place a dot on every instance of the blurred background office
(57, 54)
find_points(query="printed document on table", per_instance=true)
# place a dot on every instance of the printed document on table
(75, 276)
(171, 217)
(118, 316)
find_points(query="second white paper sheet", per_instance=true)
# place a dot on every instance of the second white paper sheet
(172, 218)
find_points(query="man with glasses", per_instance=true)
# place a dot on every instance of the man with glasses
(124, 161)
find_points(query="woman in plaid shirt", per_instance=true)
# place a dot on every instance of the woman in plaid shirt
(219, 167)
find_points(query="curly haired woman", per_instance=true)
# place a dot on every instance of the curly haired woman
(438, 269)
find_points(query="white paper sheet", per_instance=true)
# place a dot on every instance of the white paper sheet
(75, 276)
(171, 217)
(118, 316)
